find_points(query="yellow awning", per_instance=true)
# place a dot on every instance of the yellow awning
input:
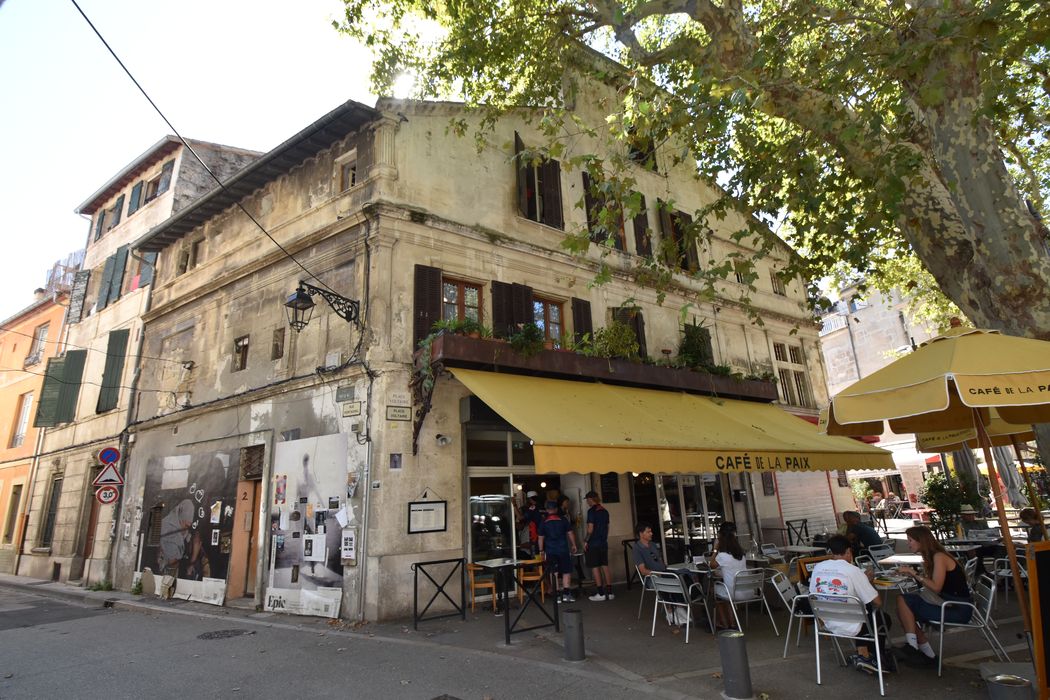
(584, 427)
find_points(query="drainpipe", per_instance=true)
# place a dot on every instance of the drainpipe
(366, 497)
(852, 345)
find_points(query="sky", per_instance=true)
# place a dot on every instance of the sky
(247, 73)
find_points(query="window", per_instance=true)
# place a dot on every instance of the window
(740, 278)
(112, 278)
(38, 346)
(252, 463)
(12, 513)
(547, 315)
(632, 317)
(780, 352)
(190, 256)
(642, 233)
(539, 188)
(679, 244)
(156, 521)
(47, 533)
(277, 344)
(140, 271)
(843, 479)
(240, 353)
(802, 389)
(641, 149)
(25, 405)
(159, 184)
(792, 382)
(778, 284)
(112, 373)
(795, 353)
(460, 300)
(114, 212)
(604, 215)
(348, 175)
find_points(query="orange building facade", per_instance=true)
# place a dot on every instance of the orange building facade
(27, 340)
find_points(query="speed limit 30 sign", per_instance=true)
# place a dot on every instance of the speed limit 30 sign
(107, 495)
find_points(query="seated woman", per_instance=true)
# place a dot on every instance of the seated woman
(728, 556)
(944, 578)
(1032, 525)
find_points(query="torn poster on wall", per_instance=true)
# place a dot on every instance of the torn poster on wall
(306, 574)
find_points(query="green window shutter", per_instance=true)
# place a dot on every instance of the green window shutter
(550, 174)
(107, 282)
(118, 209)
(99, 223)
(77, 296)
(149, 264)
(111, 375)
(522, 169)
(66, 410)
(119, 265)
(136, 198)
(48, 403)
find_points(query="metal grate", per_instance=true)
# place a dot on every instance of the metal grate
(252, 462)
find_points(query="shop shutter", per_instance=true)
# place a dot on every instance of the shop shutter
(582, 323)
(427, 297)
(806, 495)
(116, 351)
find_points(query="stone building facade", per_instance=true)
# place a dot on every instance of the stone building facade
(96, 377)
(288, 468)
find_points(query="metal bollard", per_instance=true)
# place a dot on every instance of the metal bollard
(573, 621)
(1009, 687)
(736, 673)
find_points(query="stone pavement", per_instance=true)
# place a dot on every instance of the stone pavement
(620, 649)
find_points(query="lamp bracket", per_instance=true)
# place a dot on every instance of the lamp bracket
(346, 309)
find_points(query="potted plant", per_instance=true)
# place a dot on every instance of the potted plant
(528, 340)
(615, 340)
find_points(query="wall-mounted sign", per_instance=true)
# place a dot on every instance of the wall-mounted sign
(399, 413)
(107, 495)
(427, 516)
(344, 393)
(351, 409)
(399, 398)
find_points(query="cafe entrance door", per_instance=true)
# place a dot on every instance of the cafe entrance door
(684, 510)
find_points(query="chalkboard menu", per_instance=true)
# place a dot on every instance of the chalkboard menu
(610, 487)
(1039, 597)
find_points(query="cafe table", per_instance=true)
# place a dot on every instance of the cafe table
(802, 549)
(919, 513)
(503, 570)
(902, 560)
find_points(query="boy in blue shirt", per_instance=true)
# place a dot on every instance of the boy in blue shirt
(557, 540)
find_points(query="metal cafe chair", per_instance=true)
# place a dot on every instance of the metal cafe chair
(798, 530)
(672, 594)
(796, 604)
(984, 595)
(647, 585)
(746, 588)
(845, 609)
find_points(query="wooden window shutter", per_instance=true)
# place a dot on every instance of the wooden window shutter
(149, 266)
(70, 389)
(591, 206)
(668, 242)
(119, 265)
(502, 310)
(684, 225)
(116, 351)
(107, 282)
(521, 304)
(427, 301)
(582, 323)
(100, 222)
(77, 295)
(632, 316)
(551, 177)
(136, 198)
(642, 240)
(118, 209)
(165, 176)
(523, 176)
(48, 403)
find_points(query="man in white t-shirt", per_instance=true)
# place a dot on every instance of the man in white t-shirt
(838, 577)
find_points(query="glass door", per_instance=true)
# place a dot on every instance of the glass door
(491, 518)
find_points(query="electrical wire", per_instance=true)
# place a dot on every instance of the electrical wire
(188, 147)
(57, 380)
(85, 347)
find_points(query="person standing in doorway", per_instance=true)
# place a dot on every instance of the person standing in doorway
(557, 540)
(596, 547)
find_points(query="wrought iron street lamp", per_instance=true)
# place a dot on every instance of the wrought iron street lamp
(300, 306)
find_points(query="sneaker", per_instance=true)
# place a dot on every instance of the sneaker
(610, 596)
(597, 597)
(569, 599)
(863, 663)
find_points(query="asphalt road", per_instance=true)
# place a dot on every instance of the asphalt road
(60, 649)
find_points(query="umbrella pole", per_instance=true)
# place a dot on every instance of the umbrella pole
(1004, 526)
(1033, 496)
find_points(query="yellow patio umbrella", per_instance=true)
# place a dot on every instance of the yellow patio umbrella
(950, 383)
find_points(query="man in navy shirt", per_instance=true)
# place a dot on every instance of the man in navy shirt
(860, 536)
(596, 546)
(556, 539)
